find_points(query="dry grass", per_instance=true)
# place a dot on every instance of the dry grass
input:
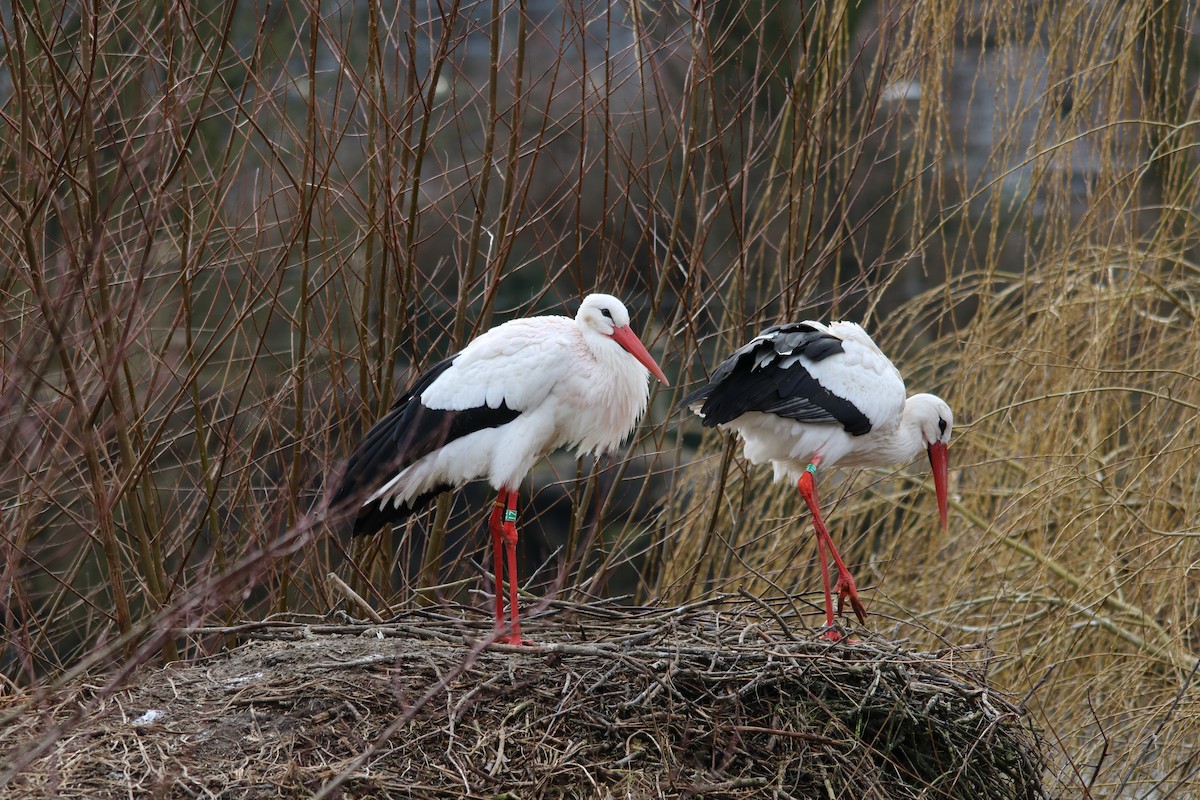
(229, 235)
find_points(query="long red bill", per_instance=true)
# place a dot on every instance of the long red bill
(625, 337)
(939, 460)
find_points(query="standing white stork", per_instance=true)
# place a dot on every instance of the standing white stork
(805, 395)
(493, 410)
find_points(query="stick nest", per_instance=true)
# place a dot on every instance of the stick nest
(729, 702)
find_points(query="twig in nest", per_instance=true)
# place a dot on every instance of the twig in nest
(354, 597)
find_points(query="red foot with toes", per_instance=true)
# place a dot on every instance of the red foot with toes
(847, 590)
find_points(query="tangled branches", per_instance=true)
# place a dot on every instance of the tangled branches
(736, 700)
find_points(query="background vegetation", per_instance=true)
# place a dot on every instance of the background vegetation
(231, 232)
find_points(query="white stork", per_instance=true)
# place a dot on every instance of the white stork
(805, 395)
(493, 410)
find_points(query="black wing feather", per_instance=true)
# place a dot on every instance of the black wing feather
(408, 432)
(372, 517)
(766, 376)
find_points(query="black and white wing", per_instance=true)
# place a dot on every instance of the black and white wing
(784, 371)
(407, 433)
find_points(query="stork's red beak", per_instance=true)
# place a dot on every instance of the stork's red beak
(940, 462)
(625, 337)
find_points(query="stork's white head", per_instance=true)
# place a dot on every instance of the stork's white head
(605, 315)
(602, 313)
(934, 421)
(932, 416)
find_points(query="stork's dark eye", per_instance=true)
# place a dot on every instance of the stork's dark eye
(941, 427)
(606, 313)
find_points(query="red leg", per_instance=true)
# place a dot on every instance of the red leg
(510, 544)
(495, 525)
(846, 587)
(830, 632)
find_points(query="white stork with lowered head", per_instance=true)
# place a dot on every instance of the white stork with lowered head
(493, 410)
(807, 395)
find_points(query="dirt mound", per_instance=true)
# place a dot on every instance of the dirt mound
(740, 701)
